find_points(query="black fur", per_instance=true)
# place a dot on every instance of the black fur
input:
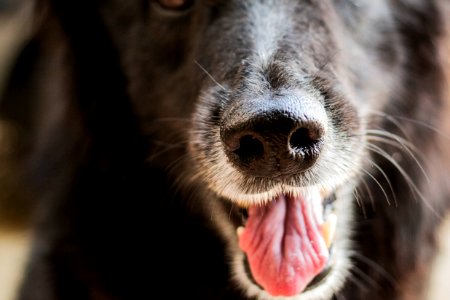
(104, 96)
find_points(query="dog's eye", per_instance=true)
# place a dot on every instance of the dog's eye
(174, 5)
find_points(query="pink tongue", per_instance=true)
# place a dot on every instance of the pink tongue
(284, 246)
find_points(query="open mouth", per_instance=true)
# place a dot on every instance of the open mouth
(288, 241)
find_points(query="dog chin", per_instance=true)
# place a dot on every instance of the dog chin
(333, 210)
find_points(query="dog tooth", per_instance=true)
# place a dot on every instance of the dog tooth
(329, 229)
(239, 230)
(316, 202)
(323, 193)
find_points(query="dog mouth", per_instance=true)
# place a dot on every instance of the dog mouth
(288, 241)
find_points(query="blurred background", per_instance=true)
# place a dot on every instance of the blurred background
(15, 28)
(15, 235)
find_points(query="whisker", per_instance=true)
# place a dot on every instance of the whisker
(393, 121)
(393, 142)
(151, 123)
(340, 297)
(209, 75)
(168, 118)
(369, 192)
(164, 149)
(359, 283)
(183, 180)
(360, 202)
(423, 124)
(407, 146)
(408, 179)
(376, 267)
(387, 180)
(366, 278)
(378, 183)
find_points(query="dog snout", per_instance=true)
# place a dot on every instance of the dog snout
(277, 141)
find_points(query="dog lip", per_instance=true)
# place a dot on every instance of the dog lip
(319, 278)
(329, 199)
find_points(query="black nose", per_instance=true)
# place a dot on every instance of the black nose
(274, 141)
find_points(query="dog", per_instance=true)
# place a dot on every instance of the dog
(211, 149)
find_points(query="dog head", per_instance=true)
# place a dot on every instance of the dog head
(274, 101)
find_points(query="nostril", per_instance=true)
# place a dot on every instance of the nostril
(305, 139)
(249, 148)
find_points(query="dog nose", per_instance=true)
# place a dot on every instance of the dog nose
(275, 142)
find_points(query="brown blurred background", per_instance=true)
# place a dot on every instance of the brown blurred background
(15, 27)
(14, 235)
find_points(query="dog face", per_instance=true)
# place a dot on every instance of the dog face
(272, 102)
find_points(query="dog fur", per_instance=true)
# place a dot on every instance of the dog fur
(122, 110)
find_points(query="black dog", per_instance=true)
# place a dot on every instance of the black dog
(232, 149)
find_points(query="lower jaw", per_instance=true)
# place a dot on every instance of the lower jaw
(318, 280)
(323, 286)
(326, 283)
